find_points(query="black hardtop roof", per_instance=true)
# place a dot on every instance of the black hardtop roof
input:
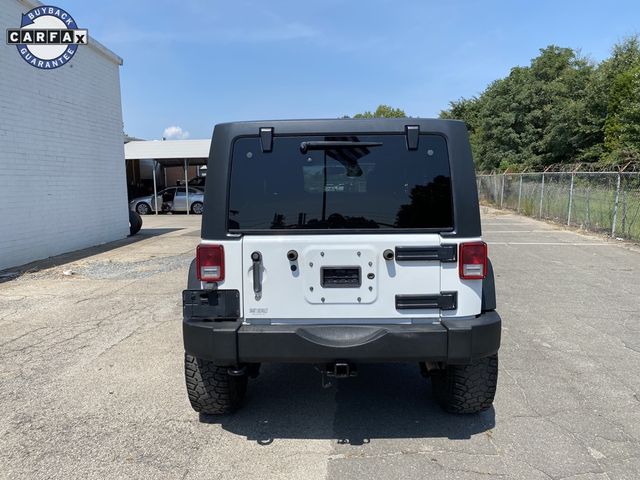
(465, 196)
(340, 125)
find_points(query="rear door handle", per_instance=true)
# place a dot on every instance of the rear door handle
(256, 258)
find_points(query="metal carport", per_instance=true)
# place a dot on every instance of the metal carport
(169, 153)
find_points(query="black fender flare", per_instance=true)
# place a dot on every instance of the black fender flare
(489, 290)
(192, 280)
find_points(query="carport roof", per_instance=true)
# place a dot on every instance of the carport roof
(166, 151)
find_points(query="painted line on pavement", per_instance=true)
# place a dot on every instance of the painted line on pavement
(572, 244)
(528, 231)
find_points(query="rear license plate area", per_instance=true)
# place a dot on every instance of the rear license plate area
(340, 277)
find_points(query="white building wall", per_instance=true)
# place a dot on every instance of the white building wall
(62, 169)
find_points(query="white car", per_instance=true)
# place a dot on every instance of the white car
(171, 199)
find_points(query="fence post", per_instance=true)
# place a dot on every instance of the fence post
(541, 194)
(615, 208)
(570, 200)
(624, 211)
(502, 190)
(519, 193)
(587, 219)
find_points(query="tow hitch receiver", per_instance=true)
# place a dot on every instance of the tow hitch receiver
(341, 370)
(336, 370)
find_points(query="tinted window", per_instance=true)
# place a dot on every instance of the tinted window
(192, 191)
(385, 186)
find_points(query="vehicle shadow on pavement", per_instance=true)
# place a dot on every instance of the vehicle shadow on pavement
(383, 401)
(77, 255)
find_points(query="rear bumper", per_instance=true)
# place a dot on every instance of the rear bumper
(454, 341)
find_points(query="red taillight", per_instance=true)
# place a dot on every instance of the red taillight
(473, 260)
(210, 262)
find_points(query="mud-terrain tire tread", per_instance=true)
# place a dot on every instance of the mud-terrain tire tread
(467, 388)
(211, 389)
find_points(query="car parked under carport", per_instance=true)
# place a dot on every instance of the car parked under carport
(171, 199)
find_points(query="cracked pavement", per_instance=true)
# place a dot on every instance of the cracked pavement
(92, 386)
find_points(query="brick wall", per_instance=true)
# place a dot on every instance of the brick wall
(62, 170)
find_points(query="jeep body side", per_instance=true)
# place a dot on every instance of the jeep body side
(336, 242)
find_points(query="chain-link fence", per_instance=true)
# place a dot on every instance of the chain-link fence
(606, 202)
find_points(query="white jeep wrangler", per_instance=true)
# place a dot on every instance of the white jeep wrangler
(334, 242)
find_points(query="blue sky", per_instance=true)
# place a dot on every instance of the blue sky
(194, 63)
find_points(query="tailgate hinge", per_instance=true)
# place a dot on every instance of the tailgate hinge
(266, 138)
(412, 133)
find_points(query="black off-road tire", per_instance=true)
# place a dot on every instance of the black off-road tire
(211, 389)
(467, 388)
(135, 222)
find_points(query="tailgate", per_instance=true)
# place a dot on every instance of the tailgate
(335, 276)
(316, 214)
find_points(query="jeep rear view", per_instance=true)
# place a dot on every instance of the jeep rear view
(339, 242)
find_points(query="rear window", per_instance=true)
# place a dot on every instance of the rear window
(380, 186)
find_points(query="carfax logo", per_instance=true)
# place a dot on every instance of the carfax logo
(48, 37)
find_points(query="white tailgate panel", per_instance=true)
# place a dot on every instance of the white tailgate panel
(288, 294)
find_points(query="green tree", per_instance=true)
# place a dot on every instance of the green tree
(561, 108)
(468, 110)
(622, 125)
(618, 102)
(600, 107)
(528, 119)
(383, 111)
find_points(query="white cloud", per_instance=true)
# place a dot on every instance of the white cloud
(175, 133)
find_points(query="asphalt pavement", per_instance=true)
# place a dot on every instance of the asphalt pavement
(91, 380)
